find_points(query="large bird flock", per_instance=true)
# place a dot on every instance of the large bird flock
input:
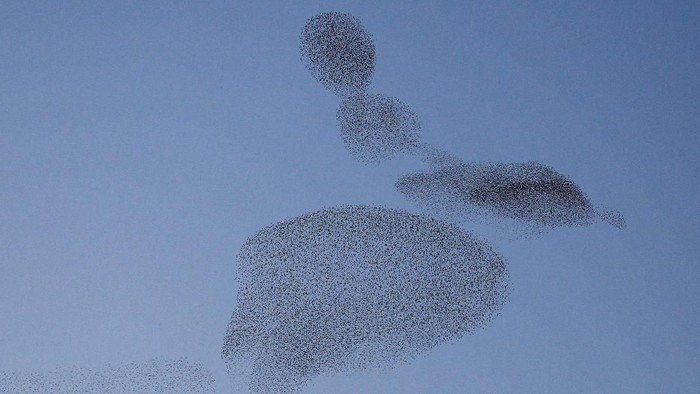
(357, 286)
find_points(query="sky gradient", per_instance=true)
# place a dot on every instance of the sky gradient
(141, 144)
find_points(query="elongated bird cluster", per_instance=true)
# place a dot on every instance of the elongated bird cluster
(528, 192)
(155, 376)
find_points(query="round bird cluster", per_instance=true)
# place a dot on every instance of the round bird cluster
(341, 55)
(339, 52)
(154, 376)
(376, 127)
(356, 286)
(527, 192)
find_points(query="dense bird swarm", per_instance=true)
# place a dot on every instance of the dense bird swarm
(359, 286)
(528, 192)
(338, 52)
(356, 286)
(376, 127)
(151, 377)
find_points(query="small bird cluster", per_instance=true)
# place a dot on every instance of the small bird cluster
(356, 286)
(339, 52)
(341, 55)
(375, 128)
(155, 376)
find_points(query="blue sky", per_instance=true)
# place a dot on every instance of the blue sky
(142, 143)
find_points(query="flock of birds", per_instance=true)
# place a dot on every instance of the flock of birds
(357, 286)
(154, 376)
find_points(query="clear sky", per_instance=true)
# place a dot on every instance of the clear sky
(141, 143)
